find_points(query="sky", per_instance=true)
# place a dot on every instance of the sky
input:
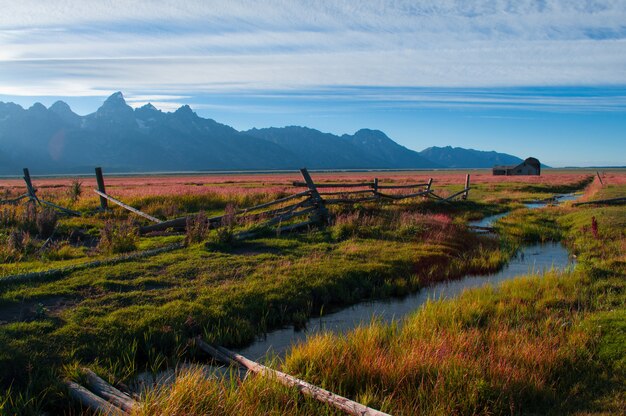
(543, 78)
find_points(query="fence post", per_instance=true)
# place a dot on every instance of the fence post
(376, 188)
(29, 187)
(430, 183)
(467, 184)
(315, 195)
(600, 178)
(100, 180)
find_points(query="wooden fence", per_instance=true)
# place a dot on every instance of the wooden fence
(311, 203)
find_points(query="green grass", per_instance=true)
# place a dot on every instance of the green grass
(138, 315)
(551, 344)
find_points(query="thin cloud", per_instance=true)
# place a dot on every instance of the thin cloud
(83, 48)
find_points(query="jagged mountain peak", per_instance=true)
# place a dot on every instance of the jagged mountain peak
(60, 107)
(117, 98)
(149, 106)
(186, 111)
(38, 107)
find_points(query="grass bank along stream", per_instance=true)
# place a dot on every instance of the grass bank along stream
(120, 319)
(550, 344)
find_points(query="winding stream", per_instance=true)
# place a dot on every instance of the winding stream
(531, 259)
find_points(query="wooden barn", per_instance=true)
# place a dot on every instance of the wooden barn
(530, 166)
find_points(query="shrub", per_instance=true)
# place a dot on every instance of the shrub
(75, 190)
(197, 229)
(118, 237)
(46, 222)
(225, 233)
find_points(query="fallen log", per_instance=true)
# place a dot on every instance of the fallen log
(128, 207)
(339, 402)
(108, 392)
(92, 401)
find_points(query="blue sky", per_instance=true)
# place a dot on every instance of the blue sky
(543, 78)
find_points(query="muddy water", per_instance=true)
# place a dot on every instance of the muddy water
(532, 259)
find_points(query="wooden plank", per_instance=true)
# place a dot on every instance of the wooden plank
(414, 185)
(397, 197)
(293, 227)
(100, 180)
(29, 186)
(14, 200)
(128, 207)
(365, 191)
(429, 184)
(277, 201)
(455, 195)
(323, 212)
(339, 402)
(467, 187)
(181, 222)
(351, 200)
(60, 208)
(89, 399)
(336, 185)
(108, 392)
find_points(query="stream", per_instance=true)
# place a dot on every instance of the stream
(530, 259)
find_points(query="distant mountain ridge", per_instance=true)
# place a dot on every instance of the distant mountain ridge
(119, 138)
(458, 157)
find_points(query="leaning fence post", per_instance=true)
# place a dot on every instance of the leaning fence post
(100, 180)
(29, 187)
(600, 178)
(467, 184)
(430, 183)
(315, 195)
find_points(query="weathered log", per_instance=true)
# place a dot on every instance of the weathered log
(336, 185)
(89, 399)
(128, 207)
(60, 208)
(317, 199)
(277, 201)
(364, 191)
(108, 392)
(464, 191)
(14, 200)
(414, 185)
(389, 196)
(351, 200)
(467, 187)
(101, 188)
(339, 402)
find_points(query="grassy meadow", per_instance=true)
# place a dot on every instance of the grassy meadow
(540, 344)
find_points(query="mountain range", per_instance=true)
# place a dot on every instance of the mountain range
(56, 140)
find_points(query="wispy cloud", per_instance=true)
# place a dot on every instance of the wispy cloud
(181, 49)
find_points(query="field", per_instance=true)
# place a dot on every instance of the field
(547, 344)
